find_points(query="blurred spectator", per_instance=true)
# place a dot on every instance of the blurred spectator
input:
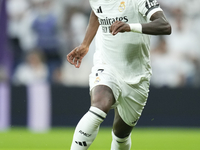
(20, 35)
(78, 25)
(72, 76)
(33, 70)
(169, 5)
(57, 76)
(191, 8)
(75, 23)
(186, 43)
(45, 27)
(81, 4)
(58, 26)
(166, 65)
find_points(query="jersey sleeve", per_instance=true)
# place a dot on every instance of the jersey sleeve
(148, 7)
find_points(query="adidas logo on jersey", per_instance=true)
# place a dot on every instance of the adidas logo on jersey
(81, 143)
(99, 10)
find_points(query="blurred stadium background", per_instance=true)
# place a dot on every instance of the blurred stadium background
(41, 93)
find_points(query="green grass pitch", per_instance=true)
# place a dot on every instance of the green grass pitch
(142, 139)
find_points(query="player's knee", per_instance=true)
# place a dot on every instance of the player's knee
(102, 98)
(101, 103)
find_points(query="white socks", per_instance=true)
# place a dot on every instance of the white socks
(121, 144)
(87, 129)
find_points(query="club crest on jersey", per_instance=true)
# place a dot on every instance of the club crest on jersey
(122, 6)
(97, 80)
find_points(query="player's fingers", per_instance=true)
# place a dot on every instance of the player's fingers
(78, 63)
(111, 28)
(118, 28)
(69, 58)
(115, 25)
(75, 61)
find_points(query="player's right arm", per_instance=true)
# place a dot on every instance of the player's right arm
(150, 10)
(76, 55)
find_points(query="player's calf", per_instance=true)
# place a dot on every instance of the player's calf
(87, 129)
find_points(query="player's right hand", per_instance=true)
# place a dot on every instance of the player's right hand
(119, 26)
(76, 55)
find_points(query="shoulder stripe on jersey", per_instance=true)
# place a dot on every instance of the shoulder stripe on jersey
(150, 10)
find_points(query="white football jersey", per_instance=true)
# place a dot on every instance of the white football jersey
(127, 52)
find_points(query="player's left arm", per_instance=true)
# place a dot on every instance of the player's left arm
(158, 26)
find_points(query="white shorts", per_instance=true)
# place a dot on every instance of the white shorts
(130, 99)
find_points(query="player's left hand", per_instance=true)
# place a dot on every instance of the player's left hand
(76, 55)
(119, 26)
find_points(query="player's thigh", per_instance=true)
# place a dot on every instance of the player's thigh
(120, 128)
(102, 97)
(104, 87)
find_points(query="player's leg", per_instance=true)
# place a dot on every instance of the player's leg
(128, 112)
(102, 97)
(121, 134)
(101, 101)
